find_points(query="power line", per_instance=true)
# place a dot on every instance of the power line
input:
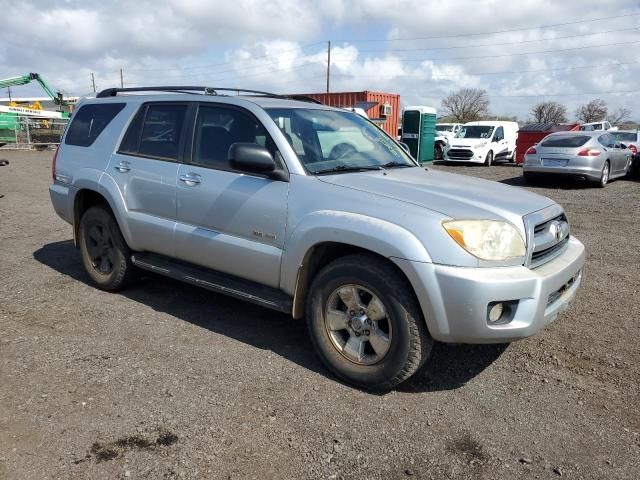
(499, 44)
(539, 95)
(478, 74)
(475, 57)
(307, 63)
(495, 32)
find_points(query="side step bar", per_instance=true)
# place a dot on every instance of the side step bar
(215, 281)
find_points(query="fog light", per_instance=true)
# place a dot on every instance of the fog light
(495, 312)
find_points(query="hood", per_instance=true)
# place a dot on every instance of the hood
(453, 195)
(469, 142)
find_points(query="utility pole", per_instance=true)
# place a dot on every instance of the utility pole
(93, 82)
(121, 80)
(328, 63)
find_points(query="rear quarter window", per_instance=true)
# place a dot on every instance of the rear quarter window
(89, 122)
(565, 141)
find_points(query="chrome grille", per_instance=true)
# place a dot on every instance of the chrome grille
(547, 235)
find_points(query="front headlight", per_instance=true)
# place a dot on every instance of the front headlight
(487, 239)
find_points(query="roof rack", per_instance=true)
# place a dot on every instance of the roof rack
(112, 92)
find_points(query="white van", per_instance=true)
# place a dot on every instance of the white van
(484, 142)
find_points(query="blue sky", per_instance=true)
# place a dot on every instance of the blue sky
(588, 47)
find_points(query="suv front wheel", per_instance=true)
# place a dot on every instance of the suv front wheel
(366, 324)
(105, 254)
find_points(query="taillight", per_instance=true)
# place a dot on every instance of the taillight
(589, 152)
(633, 149)
(53, 163)
(531, 151)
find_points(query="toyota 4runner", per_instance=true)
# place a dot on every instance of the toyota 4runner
(313, 211)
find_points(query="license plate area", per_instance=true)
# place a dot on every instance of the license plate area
(554, 162)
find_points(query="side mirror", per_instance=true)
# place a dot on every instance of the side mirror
(405, 147)
(251, 157)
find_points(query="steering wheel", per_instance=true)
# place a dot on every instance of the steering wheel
(342, 150)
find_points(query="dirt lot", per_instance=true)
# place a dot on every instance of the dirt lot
(166, 380)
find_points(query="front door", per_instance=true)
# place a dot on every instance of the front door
(500, 147)
(227, 220)
(145, 169)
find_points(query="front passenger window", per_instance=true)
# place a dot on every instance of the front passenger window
(219, 128)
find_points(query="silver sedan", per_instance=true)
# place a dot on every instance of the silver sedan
(596, 156)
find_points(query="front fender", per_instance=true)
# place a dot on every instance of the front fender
(379, 236)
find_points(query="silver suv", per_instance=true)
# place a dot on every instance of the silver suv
(313, 211)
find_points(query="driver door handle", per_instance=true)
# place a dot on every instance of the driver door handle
(190, 179)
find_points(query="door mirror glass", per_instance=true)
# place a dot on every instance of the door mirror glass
(251, 157)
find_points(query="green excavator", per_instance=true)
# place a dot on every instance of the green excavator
(11, 114)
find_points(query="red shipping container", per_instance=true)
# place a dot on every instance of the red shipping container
(532, 133)
(388, 120)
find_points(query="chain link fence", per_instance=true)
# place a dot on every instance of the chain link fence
(31, 133)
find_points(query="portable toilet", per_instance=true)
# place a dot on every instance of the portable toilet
(419, 132)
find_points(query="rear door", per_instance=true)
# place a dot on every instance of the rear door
(615, 154)
(145, 169)
(228, 220)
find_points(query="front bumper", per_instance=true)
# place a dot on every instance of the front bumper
(455, 300)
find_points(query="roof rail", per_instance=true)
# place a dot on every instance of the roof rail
(112, 92)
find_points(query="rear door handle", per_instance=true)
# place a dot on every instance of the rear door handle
(190, 179)
(123, 166)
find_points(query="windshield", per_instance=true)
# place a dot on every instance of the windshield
(444, 128)
(591, 127)
(475, 131)
(328, 141)
(626, 137)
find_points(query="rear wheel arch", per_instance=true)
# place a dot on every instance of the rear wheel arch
(86, 198)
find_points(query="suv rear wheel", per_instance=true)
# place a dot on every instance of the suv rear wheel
(105, 254)
(366, 324)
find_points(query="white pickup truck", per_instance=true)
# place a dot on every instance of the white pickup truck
(444, 133)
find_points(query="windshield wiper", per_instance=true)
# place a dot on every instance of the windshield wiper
(396, 164)
(345, 168)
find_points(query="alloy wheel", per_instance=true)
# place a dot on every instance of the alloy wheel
(358, 324)
(101, 249)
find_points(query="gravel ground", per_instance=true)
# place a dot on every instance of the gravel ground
(166, 380)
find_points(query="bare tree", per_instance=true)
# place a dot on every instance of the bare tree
(466, 105)
(619, 115)
(549, 112)
(594, 111)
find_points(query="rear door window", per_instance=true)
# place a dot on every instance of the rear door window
(607, 140)
(156, 131)
(565, 141)
(89, 122)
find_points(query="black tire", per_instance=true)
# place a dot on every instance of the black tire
(105, 254)
(604, 175)
(512, 158)
(438, 151)
(409, 344)
(488, 161)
